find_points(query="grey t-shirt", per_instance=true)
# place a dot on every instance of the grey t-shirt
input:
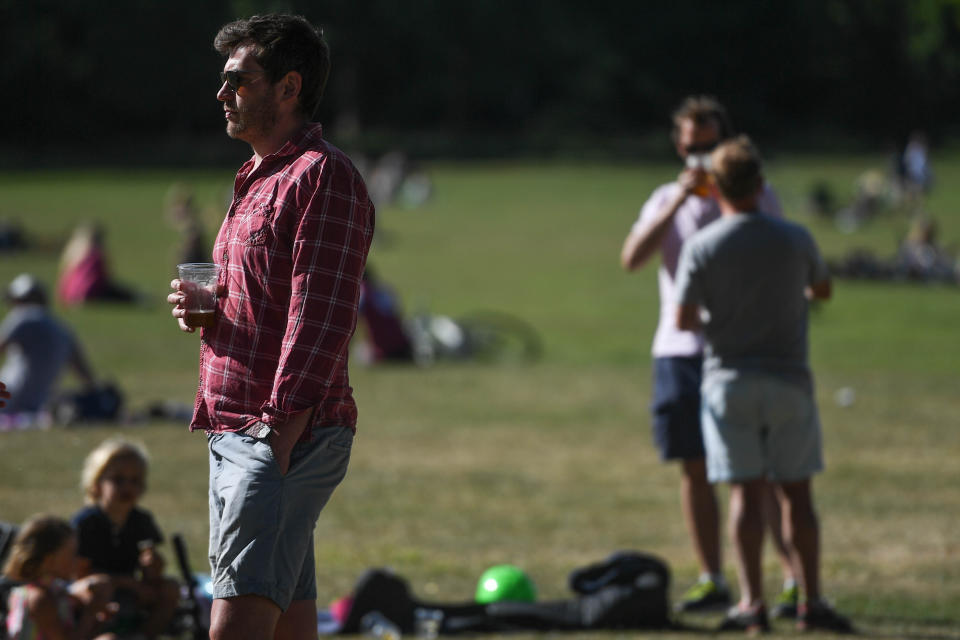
(37, 348)
(749, 272)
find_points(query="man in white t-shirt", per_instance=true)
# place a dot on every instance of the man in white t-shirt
(673, 213)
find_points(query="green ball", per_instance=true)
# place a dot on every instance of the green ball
(505, 582)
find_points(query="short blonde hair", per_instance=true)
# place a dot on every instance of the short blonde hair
(736, 168)
(39, 537)
(105, 455)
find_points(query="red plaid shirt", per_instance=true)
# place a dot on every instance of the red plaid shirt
(292, 251)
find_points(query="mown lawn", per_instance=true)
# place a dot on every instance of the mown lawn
(548, 466)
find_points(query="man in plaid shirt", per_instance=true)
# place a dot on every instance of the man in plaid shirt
(274, 396)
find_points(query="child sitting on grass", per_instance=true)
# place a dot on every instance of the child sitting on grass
(118, 538)
(48, 606)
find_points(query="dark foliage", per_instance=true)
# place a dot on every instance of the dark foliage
(513, 75)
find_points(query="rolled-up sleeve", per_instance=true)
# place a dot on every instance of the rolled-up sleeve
(329, 251)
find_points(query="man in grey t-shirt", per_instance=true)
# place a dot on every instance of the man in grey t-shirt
(746, 282)
(37, 347)
(672, 214)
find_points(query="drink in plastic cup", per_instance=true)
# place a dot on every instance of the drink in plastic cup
(701, 162)
(703, 189)
(199, 286)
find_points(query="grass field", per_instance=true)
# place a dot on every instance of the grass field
(548, 466)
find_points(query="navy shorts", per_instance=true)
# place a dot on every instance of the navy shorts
(676, 407)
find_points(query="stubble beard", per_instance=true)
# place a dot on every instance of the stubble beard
(253, 121)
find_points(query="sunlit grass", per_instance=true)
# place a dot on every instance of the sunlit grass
(549, 466)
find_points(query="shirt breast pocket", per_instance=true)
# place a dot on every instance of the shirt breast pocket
(254, 228)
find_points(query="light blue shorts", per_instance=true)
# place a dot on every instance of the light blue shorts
(262, 522)
(757, 426)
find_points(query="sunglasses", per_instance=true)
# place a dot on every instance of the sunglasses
(236, 79)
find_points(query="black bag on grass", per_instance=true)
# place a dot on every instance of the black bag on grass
(629, 590)
(99, 404)
(384, 591)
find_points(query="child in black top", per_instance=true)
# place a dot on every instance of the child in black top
(118, 538)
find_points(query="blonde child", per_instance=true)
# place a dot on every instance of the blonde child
(44, 557)
(119, 538)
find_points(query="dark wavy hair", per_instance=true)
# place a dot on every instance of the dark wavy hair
(703, 110)
(281, 44)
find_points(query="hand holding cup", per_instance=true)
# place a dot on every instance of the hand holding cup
(195, 295)
(695, 179)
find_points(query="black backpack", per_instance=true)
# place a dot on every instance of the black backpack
(629, 590)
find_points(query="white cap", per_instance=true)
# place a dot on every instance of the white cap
(26, 288)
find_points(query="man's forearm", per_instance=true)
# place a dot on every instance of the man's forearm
(294, 425)
(284, 436)
(82, 367)
(688, 317)
(638, 247)
(822, 290)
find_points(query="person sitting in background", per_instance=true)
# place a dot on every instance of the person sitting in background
(48, 605)
(922, 258)
(84, 274)
(118, 538)
(38, 346)
(387, 338)
(917, 172)
(184, 216)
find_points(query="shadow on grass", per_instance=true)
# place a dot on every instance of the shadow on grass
(876, 627)
(943, 633)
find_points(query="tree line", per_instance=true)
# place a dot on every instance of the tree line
(473, 77)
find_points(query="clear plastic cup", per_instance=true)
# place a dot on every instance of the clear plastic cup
(199, 286)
